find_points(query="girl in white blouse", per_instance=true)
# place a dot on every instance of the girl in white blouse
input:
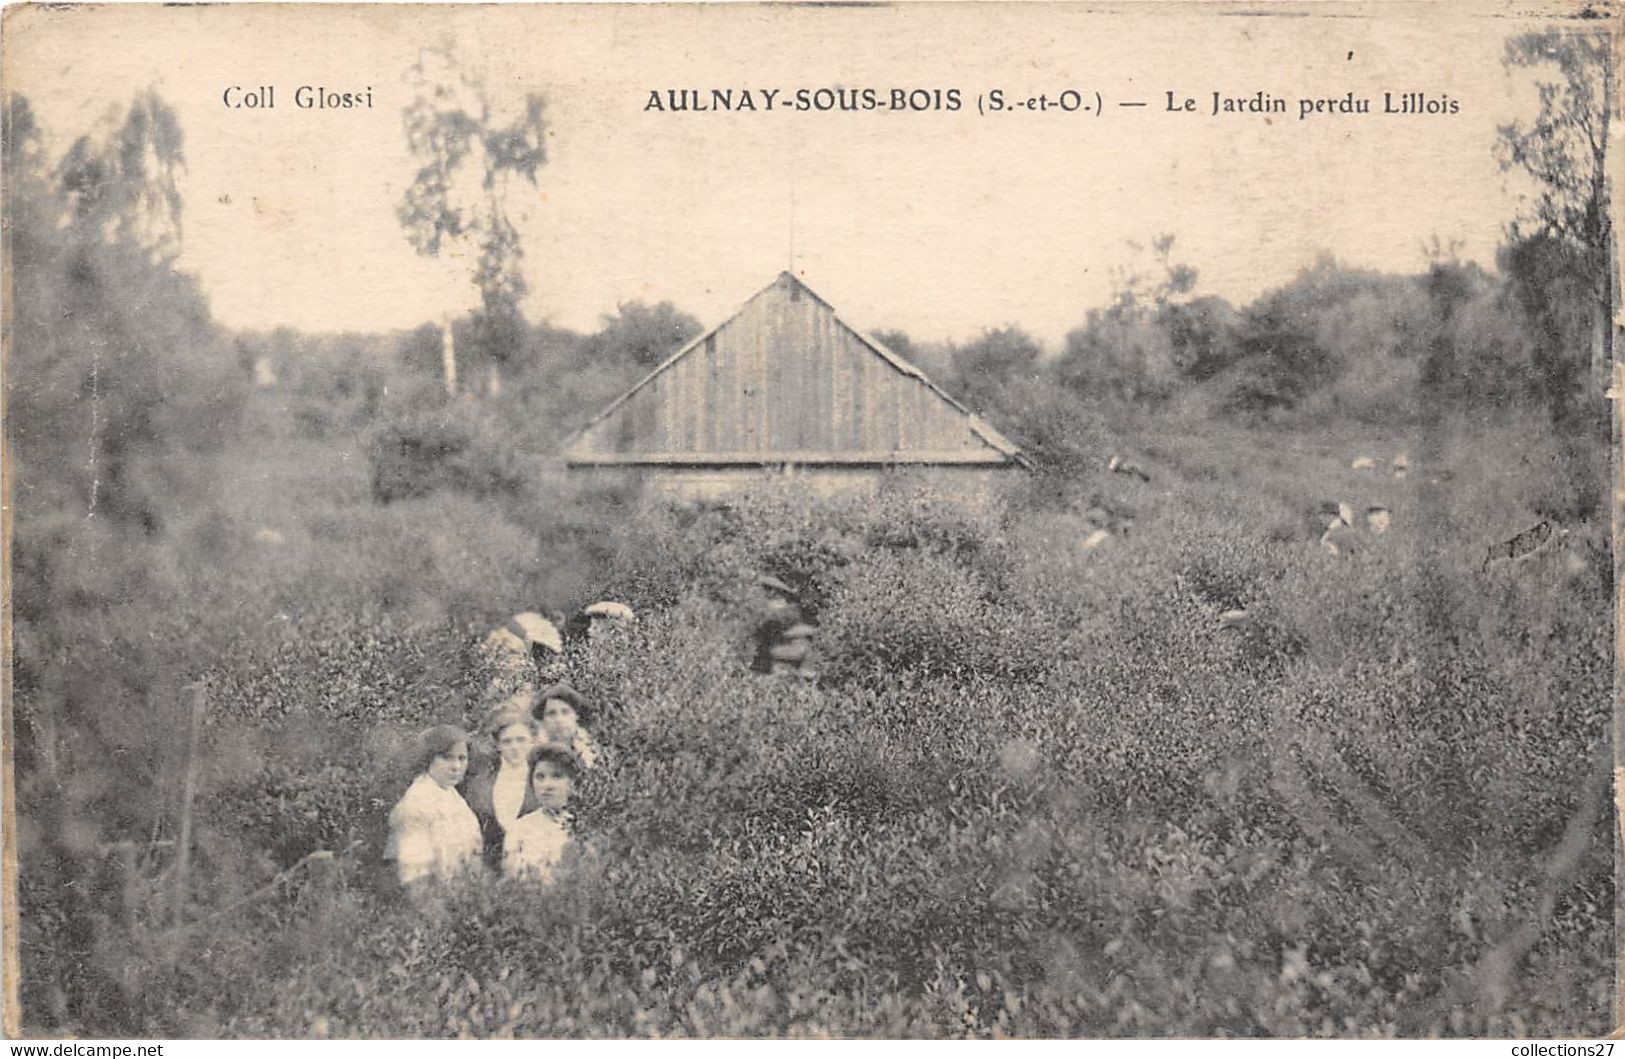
(537, 841)
(433, 834)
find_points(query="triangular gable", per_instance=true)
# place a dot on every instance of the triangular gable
(831, 405)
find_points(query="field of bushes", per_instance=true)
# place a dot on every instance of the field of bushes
(1036, 789)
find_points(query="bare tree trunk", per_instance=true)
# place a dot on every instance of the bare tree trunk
(448, 356)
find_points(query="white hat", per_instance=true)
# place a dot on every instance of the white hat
(505, 642)
(608, 609)
(532, 628)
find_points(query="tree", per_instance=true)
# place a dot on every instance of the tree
(1557, 296)
(897, 341)
(419, 350)
(1478, 337)
(1559, 258)
(471, 160)
(115, 356)
(1126, 349)
(119, 390)
(934, 358)
(643, 335)
(1285, 348)
(1565, 151)
(984, 370)
(1202, 334)
(124, 184)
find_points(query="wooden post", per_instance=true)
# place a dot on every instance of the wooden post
(183, 849)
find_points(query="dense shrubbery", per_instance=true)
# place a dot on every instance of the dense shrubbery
(1035, 790)
(456, 447)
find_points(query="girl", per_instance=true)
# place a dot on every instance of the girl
(433, 834)
(497, 795)
(537, 841)
(560, 715)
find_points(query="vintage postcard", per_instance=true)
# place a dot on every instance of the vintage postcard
(882, 521)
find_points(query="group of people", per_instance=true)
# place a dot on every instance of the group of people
(511, 814)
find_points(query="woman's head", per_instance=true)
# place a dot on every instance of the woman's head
(553, 774)
(514, 731)
(443, 754)
(514, 741)
(562, 712)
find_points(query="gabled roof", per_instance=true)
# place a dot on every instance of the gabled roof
(978, 426)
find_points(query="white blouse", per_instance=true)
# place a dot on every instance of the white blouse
(432, 832)
(508, 793)
(535, 844)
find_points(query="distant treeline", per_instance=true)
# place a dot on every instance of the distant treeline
(1335, 343)
(1336, 340)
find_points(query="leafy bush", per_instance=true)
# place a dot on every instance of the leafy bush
(454, 447)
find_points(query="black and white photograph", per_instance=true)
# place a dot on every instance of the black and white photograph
(875, 521)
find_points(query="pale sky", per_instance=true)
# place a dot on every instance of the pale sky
(939, 223)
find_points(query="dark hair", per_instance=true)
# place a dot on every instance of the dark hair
(562, 756)
(438, 742)
(575, 630)
(564, 693)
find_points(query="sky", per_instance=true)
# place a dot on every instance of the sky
(939, 223)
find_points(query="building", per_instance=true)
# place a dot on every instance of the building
(784, 387)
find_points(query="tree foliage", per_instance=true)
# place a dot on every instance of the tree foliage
(642, 334)
(120, 388)
(1330, 325)
(1126, 350)
(1565, 147)
(1558, 256)
(115, 356)
(897, 341)
(472, 157)
(123, 182)
(985, 369)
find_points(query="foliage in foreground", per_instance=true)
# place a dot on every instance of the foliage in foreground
(1038, 790)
